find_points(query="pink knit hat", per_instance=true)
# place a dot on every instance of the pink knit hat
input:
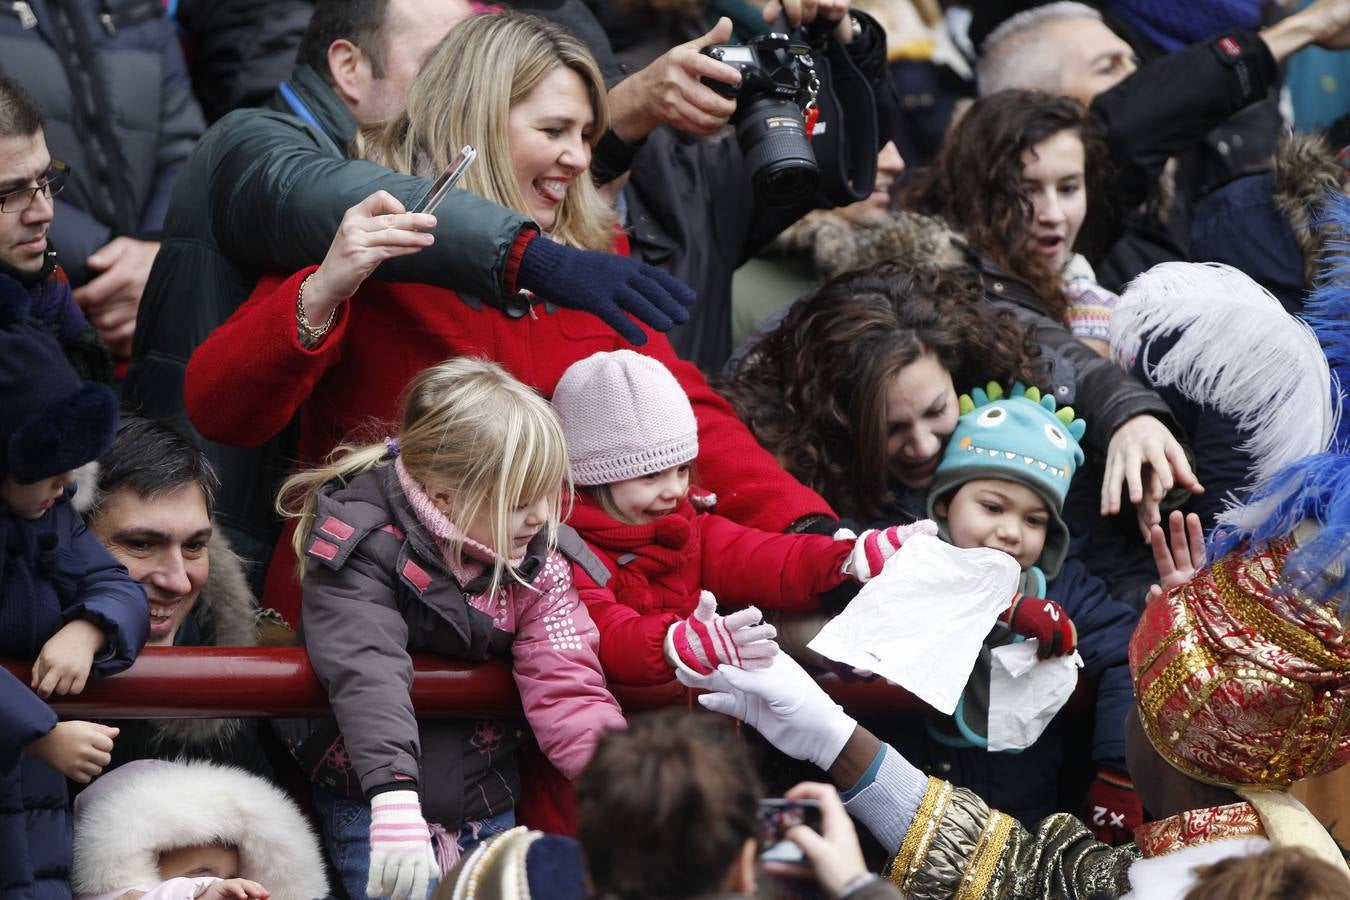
(624, 415)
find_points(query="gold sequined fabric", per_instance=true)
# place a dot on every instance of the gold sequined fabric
(1241, 682)
(960, 848)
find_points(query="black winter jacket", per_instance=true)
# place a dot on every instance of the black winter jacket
(241, 49)
(692, 211)
(118, 108)
(1167, 109)
(1103, 393)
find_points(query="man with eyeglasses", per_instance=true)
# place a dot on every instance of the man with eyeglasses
(29, 179)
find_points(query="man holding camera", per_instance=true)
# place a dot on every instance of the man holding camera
(691, 203)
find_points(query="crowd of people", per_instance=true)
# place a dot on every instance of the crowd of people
(743, 318)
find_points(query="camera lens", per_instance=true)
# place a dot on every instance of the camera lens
(773, 141)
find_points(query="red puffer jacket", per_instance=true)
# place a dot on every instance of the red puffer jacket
(659, 568)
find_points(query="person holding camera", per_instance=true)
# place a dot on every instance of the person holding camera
(636, 844)
(810, 114)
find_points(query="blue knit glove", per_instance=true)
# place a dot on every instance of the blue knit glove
(605, 285)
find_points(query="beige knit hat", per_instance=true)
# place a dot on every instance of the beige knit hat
(624, 415)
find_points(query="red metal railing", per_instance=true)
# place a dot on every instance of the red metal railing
(273, 682)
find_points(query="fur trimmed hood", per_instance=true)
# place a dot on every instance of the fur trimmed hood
(837, 246)
(1305, 171)
(125, 819)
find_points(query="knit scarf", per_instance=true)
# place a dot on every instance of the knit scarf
(641, 552)
(475, 558)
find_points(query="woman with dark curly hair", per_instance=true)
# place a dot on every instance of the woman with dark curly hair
(1014, 177)
(855, 390)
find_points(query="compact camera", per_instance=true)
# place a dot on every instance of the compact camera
(778, 83)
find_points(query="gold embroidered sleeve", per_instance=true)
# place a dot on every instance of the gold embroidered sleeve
(958, 847)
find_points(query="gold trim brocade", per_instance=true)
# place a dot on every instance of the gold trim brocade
(920, 834)
(1176, 673)
(1283, 633)
(988, 852)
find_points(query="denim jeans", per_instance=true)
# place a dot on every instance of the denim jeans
(346, 836)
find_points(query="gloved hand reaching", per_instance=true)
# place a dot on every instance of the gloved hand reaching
(402, 862)
(1114, 810)
(874, 546)
(784, 704)
(1044, 620)
(705, 640)
(606, 285)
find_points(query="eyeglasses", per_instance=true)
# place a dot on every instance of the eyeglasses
(18, 201)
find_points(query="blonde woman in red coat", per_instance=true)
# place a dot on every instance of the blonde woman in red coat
(338, 349)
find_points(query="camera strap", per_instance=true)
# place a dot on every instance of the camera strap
(847, 151)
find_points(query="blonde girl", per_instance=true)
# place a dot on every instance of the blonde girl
(444, 539)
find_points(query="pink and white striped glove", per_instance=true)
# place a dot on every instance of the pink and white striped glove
(705, 640)
(402, 862)
(874, 546)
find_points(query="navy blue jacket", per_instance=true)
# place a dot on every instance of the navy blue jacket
(52, 570)
(1032, 784)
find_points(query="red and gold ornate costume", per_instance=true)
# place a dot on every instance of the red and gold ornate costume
(1242, 682)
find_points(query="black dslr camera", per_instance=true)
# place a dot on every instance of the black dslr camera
(778, 83)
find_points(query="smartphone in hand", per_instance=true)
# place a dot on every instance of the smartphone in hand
(449, 178)
(776, 818)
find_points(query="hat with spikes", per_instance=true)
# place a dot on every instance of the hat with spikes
(1019, 437)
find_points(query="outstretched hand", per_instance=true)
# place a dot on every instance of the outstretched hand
(1178, 552)
(706, 640)
(783, 703)
(1145, 459)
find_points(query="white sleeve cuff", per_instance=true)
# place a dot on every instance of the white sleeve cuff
(887, 805)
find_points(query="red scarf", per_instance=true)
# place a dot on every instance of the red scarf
(639, 553)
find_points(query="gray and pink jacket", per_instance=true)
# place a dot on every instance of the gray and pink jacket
(377, 588)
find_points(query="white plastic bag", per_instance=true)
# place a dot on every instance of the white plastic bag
(920, 622)
(1025, 692)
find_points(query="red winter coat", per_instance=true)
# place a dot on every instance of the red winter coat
(659, 568)
(247, 380)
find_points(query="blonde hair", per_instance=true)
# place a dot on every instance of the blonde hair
(467, 424)
(464, 94)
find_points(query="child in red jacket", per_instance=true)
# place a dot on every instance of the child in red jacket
(631, 442)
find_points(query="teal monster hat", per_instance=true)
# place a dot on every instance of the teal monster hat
(1021, 437)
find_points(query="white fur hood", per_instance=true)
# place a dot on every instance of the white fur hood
(125, 819)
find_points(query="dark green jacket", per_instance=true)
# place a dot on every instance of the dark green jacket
(264, 191)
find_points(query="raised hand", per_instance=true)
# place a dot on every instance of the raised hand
(376, 229)
(1145, 459)
(1178, 552)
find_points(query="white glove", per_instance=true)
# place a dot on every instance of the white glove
(402, 862)
(783, 703)
(705, 640)
(875, 546)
